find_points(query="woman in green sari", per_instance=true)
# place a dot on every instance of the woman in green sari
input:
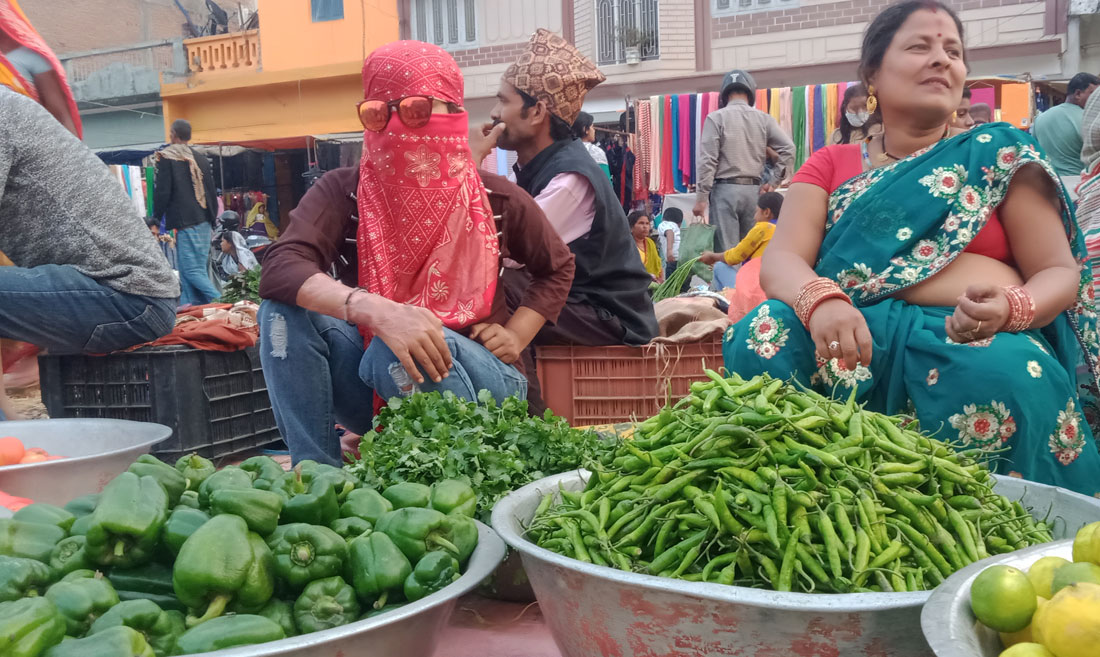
(938, 273)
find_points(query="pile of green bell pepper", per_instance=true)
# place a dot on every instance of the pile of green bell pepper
(175, 560)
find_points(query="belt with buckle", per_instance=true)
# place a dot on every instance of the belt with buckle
(738, 180)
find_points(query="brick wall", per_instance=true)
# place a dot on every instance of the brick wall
(677, 30)
(846, 12)
(504, 53)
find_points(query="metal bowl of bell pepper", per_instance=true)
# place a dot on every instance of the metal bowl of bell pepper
(411, 630)
(599, 610)
(95, 451)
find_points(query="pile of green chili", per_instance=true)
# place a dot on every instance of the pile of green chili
(758, 483)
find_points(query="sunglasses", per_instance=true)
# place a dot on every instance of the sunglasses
(414, 111)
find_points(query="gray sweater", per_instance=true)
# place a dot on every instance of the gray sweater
(60, 205)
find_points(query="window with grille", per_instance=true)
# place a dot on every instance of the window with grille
(446, 23)
(727, 7)
(326, 10)
(621, 24)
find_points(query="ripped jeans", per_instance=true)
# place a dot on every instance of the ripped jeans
(319, 374)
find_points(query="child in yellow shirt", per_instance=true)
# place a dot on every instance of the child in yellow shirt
(746, 280)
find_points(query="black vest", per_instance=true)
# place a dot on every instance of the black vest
(610, 275)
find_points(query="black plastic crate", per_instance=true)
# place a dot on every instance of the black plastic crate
(215, 401)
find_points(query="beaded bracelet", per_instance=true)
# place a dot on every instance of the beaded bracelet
(1021, 309)
(813, 294)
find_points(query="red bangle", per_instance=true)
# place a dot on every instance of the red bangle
(1021, 309)
(813, 294)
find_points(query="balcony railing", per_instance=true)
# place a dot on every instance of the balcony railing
(238, 51)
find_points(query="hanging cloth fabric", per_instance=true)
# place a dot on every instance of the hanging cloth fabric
(785, 110)
(774, 103)
(830, 110)
(656, 108)
(762, 100)
(667, 176)
(641, 164)
(685, 130)
(693, 137)
(797, 118)
(674, 130)
(809, 137)
(820, 124)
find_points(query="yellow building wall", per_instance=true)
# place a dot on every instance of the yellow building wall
(307, 82)
(289, 39)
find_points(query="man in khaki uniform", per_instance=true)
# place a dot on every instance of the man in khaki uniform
(732, 153)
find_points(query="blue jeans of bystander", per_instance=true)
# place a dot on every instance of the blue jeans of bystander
(193, 254)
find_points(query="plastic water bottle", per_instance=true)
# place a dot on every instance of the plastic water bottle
(405, 384)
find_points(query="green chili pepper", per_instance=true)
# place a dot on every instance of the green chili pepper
(790, 555)
(676, 553)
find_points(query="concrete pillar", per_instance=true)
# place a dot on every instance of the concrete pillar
(1071, 60)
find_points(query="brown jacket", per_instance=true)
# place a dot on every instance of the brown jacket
(322, 231)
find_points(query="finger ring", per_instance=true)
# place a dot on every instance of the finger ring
(834, 345)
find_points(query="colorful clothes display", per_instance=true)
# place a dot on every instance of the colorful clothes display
(916, 216)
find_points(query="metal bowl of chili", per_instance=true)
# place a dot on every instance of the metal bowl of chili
(599, 610)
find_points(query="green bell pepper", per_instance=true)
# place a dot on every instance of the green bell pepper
(464, 535)
(282, 612)
(304, 553)
(365, 503)
(407, 494)
(434, 571)
(227, 632)
(453, 497)
(343, 482)
(29, 627)
(263, 470)
(22, 578)
(119, 641)
(189, 499)
(81, 525)
(160, 628)
(82, 600)
(260, 509)
(183, 522)
(126, 525)
(172, 479)
(377, 567)
(47, 514)
(417, 531)
(221, 561)
(69, 555)
(230, 478)
(308, 497)
(349, 528)
(83, 505)
(325, 604)
(195, 469)
(31, 540)
(152, 581)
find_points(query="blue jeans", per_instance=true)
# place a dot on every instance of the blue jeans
(725, 276)
(64, 311)
(193, 254)
(318, 374)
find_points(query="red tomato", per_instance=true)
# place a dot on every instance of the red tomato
(11, 450)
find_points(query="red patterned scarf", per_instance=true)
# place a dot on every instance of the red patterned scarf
(14, 22)
(426, 231)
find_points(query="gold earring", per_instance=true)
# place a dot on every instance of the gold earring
(872, 102)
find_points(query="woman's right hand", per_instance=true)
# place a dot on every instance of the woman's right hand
(837, 322)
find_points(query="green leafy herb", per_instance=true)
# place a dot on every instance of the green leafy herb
(428, 437)
(244, 286)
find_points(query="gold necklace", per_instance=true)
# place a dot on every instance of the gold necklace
(886, 155)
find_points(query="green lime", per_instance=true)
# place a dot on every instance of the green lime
(1075, 573)
(1003, 598)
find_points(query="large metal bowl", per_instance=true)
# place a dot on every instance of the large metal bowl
(95, 452)
(410, 631)
(594, 610)
(950, 626)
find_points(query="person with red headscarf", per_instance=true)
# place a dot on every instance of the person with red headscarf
(385, 280)
(28, 66)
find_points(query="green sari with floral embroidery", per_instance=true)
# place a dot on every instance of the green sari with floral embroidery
(1016, 394)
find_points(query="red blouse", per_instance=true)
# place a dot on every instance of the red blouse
(832, 166)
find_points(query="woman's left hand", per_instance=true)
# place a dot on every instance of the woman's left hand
(981, 313)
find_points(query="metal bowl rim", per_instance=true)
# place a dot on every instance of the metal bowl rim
(802, 602)
(934, 618)
(486, 557)
(12, 426)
